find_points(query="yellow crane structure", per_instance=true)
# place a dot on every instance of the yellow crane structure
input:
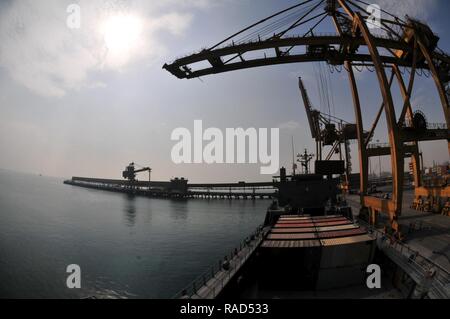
(289, 36)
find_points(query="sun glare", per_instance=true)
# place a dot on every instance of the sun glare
(122, 34)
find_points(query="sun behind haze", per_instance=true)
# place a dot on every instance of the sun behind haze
(123, 34)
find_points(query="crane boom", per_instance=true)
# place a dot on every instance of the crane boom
(312, 115)
(130, 173)
(145, 169)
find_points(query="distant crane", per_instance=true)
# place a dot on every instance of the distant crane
(324, 131)
(130, 173)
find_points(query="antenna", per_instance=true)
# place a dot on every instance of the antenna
(305, 159)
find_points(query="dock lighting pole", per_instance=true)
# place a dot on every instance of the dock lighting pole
(294, 165)
(379, 163)
(149, 178)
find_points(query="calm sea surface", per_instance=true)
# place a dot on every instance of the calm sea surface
(126, 247)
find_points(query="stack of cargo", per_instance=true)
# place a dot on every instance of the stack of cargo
(327, 252)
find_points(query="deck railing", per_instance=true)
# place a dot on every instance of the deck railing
(212, 281)
(424, 271)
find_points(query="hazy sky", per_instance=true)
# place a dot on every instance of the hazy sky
(88, 101)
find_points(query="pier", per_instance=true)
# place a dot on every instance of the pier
(180, 188)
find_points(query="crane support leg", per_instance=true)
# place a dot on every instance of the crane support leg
(397, 161)
(415, 159)
(439, 85)
(363, 162)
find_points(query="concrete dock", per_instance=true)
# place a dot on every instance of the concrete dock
(427, 233)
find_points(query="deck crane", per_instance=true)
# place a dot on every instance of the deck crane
(130, 173)
(328, 130)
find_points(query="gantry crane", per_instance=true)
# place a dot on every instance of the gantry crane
(328, 130)
(289, 36)
(130, 174)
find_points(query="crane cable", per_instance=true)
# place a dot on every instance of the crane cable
(325, 89)
(275, 25)
(140, 166)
